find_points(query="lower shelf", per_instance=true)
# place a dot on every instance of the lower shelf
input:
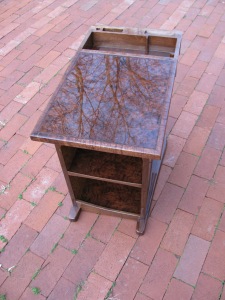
(107, 195)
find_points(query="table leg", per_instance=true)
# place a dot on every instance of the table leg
(150, 172)
(75, 209)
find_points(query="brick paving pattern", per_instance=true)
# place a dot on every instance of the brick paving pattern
(43, 255)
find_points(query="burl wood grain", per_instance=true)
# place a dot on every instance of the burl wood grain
(111, 99)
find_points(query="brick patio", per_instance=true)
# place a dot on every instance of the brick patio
(44, 256)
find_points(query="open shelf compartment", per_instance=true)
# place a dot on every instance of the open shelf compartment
(117, 41)
(104, 166)
(108, 195)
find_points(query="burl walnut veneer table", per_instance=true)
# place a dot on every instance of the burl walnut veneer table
(108, 116)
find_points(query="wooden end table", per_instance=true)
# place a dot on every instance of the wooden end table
(107, 119)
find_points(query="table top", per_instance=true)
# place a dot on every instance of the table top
(111, 102)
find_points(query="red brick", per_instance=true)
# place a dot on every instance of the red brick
(177, 104)
(146, 246)
(63, 289)
(215, 66)
(217, 137)
(167, 203)
(206, 83)
(13, 166)
(174, 147)
(104, 228)
(207, 163)
(197, 140)
(47, 74)
(29, 295)
(28, 93)
(196, 102)
(18, 281)
(54, 164)
(220, 51)
(191, 261)
(187, 86)
(207, 219)
(14, 217)
(189, 57)
(10, 196)
(208, 116)
(28, 127)
(206, 30)
(30, 146)
(12, 126)
(140, 296)
(184, 124)
(53, 269)
(50, 88)
(194, 195)
(128, 227)
(84, 261)
(96, 287)
(38, 187)
(29, 76)
(37, 162)
(210, 48)
(10, 94)
(60, 184)
(40, 215)
(49, 236)
(10, 149)
(222, 222)
(46, 60)
(159, 274)
(178, 290)
(215, 264)
(169, 126)
(216, 191)
(197, 69)
(9, 111)
(15, 249)
(183, 169)
(130, 279)
(77, 231)
(161, 181)
(117, 250)
(178, 232)
(207, 288)
(34, 104)
(26, 54)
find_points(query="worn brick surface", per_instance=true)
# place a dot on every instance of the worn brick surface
(159, 274)
(207, 287)
(192, 260)
(84, 261)
(178, 290)
(147, 245)
(118, 249)
(64, 289)
(194, 195)
(130, 279)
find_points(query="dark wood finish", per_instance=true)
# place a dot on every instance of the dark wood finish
(108, 117)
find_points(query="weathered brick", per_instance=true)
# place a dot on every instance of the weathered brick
(192, 260)
(178, 290)
(114, 256)
(12, 126)
(104, 228)
(183, 169)
(208, 162)
(196, 102)
(9, 150)
(208, 117)
(167, 203)
(197, 140)
(184, 124)
(40, 215)
(63, 289)
(215, 264)
(174, 147)
(14, 217)
(52, 270)
(146, 246)
(15, 249)
(130, 279)
(77, 231)
(159, 274)
(207, 287)
(15, 284)
(217, 137)
(84, 261)
(49, 236)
